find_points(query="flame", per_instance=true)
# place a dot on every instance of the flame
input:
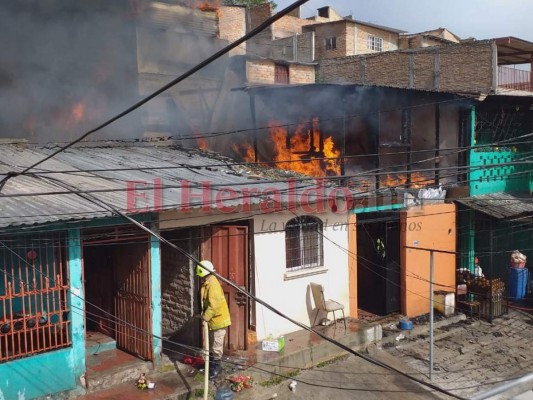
(417, 181)
(78, 112)
(202, 144)
(244, 151)
(303, 154)
(208, 5)
(73, 116)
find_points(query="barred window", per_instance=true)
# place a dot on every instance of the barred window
(374, 43)
(34, 313)
(303, 243)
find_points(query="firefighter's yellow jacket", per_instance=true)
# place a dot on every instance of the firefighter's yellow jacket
(214, 306)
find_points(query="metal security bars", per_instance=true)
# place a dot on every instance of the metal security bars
(34, 313)
(303, 243)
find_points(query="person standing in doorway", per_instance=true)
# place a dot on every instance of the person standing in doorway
(215, 312)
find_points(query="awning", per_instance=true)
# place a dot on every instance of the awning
(512, 50)
(501, 205)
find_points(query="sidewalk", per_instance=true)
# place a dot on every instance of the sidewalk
(302, 350)
(472, 355)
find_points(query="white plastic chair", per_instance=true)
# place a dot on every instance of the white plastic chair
(325, 305)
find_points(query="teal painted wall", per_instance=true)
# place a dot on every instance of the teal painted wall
(485, 179)
(377, 208)
(37, 376)
(486, 176)
(155, 279)
(59, 370)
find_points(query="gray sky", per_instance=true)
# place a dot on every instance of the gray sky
(482, 19)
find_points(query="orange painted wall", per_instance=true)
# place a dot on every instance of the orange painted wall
(431, 227)
(352, 264)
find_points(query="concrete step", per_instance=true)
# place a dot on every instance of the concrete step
(113, 367)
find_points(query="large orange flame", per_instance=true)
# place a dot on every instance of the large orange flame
(303, 152)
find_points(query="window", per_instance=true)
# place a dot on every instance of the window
(374, 43)
(331, 43)
(34, 303)
(303, 243)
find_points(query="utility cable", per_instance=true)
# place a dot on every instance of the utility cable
(250, 295)
(269, 21)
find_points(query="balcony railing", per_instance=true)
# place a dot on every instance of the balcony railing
(516, 79)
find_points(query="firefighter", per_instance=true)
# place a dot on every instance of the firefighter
(215, 312)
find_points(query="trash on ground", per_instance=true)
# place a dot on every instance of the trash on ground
(401, 336)
(292, 386)
(144, 383)
(240, 382)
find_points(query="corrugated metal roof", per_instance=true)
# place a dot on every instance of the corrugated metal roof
(501, 205)
(36, 199)
(512, 50)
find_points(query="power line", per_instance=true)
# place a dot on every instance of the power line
(250, 295)
(174, 82)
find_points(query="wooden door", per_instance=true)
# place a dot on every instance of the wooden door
(227, 248)
(132, 299)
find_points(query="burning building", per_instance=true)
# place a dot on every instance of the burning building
(371, 137)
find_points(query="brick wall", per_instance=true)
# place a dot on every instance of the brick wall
(325, 31)
(178, 297)
(390, 39)
(263, 72)
(300, 74)
(259, 14)
(260, 44)
(260, 71)
(232, 26)
(288, 26)
(464, 67)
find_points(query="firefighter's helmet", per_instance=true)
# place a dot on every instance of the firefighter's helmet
(204, 268)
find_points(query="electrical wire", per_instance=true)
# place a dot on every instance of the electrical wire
(247, 293)
(196, 349)
(174, 82)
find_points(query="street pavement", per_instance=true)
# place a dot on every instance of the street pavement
(473, 355)
(350, 378)
(470, 356)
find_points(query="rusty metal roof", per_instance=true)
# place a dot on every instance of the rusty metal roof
(36, 199)
(501, 205)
